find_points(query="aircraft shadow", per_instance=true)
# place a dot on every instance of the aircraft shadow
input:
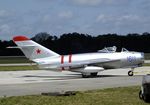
(112, 75)
(60, 77)
(71, 76)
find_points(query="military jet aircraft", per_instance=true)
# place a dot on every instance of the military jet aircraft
(88, 64)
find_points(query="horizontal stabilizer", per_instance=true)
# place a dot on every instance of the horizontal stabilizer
(13, 47)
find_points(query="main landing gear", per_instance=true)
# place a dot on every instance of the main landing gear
(89, 75)
(131, 73)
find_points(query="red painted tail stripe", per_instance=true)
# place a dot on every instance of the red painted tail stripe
(62, 61)
(70, 60)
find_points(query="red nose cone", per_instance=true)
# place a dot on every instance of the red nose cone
(20, 38)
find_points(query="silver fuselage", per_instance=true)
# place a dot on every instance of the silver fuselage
(105, 60)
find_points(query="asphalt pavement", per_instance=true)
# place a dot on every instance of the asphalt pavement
(16, 83)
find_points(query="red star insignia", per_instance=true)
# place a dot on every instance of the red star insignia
(38, 51)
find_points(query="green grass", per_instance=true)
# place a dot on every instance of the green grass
(146, 64)
(114, 96)
(18, 68)
(147, 56)
(15, 59)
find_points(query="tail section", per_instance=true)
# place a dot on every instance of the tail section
(31, 49)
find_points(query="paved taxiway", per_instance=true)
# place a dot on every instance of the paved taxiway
(14, 83)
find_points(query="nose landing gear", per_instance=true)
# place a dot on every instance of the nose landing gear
(130, 73)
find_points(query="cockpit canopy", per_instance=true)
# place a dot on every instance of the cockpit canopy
(111, 50)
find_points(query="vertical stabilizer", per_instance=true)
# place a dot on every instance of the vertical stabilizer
(31, 49)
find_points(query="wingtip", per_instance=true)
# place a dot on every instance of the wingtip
(20, 38)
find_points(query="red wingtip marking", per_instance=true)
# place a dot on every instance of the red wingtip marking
(20, 38)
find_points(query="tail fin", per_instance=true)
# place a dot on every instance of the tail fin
(31, 49)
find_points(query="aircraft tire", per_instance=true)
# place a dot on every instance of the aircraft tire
(130, 73)
(145, 98)
(84, 76)
(94, 74)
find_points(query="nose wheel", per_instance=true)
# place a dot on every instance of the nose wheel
(130, 73)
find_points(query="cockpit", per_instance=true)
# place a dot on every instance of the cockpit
(111, 50)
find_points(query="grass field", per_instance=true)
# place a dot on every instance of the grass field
(13, 59)
(146, 64)
(147, 56)
(114, 96)
(16, 68)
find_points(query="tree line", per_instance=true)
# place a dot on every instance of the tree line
(72, 43)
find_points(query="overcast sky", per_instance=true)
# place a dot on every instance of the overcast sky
(29, 17)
